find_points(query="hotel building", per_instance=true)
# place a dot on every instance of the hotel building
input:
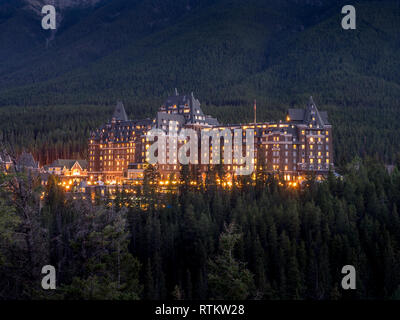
(293, 148)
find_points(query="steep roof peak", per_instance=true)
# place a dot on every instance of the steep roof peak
(312, 115)
(26, 160)
(119, 112)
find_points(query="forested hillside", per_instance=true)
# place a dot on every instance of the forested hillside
(262, 241)
(229, 52)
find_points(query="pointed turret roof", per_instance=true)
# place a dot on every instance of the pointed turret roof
(176, 108)
(26, 160)
(119, 112)
(312, 115)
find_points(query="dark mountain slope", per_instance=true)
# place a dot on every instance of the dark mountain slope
(228, 52)
(85, 35)
(210, 46)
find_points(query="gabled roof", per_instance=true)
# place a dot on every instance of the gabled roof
(167, 117)
(324, 116)
(26, 160)
(212, 121)
(120, 130)
(310, 115)
(5, 158)
(68, 163)
(119, 112)
(196, 115)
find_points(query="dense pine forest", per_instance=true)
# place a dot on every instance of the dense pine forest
(228, 52)
(257, 240)
(254, 241)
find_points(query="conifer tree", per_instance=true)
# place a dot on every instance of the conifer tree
(228, 278)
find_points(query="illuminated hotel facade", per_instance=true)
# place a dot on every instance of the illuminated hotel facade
(293, 148)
